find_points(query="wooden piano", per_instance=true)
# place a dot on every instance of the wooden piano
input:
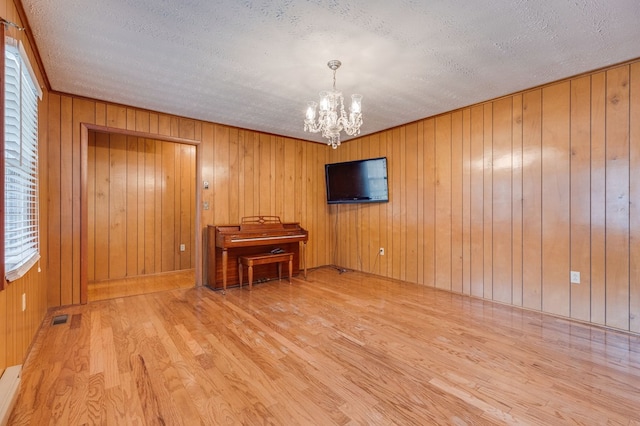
(256, 234)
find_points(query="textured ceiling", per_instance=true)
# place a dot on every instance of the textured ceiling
(254, 64)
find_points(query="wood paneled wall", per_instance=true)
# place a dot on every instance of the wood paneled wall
(141, 206)
(18, 327)
(249, 173)
(254, 173)
(502, 200)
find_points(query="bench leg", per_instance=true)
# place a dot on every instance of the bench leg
(250, 277)
(290, 268)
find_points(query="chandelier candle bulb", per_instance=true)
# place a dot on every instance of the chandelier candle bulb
(356, 104)
(332, 117)
(311, 110)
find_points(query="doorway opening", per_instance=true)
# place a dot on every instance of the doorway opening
(140, 215)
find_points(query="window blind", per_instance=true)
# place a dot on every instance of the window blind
(21, 163)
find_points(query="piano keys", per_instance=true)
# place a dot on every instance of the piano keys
(255, 235)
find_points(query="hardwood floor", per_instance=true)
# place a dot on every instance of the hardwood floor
(144, 284)
(336, 349)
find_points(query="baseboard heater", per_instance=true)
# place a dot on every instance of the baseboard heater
(9, 385)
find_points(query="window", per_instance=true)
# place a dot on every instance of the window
(21, 162)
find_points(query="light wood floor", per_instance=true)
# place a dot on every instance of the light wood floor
(336, 349)
(144, 284)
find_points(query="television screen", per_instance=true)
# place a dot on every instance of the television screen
(361, 181)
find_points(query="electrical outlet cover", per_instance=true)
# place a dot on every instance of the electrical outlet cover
(575, 277)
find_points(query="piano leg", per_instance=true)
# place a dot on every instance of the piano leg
(304, 257)
(225, 258)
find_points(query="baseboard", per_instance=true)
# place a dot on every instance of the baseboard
(9, 386)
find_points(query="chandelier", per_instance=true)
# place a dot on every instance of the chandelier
(332, 118)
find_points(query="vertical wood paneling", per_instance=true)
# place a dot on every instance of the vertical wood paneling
(91, 204)
(177, 196)
(150, 190)
(248, 174)
(140, 202)
(396, 250)
(128, 181)
(502, 200)
(634, 198)
(66, 202)
(532, 200)
(264, 174)
(443, 202)
(221, 175)
(83, 112)
(132, 196)
(555, 198)
(411, 181)
(581, 197)
(516, 206)
(117, 226)
(466, 201)
(187, 184)
(207, 173)
(456, 202)
(598, 202)
(54, 180)
(158, 200)
(477, 201)
(617, 198)
(101, 203)
(234, 189)
(487, 287)
(168, 223)
(289, 179)
(419, 199)
(429, 203)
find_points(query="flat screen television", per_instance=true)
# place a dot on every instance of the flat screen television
(361, 181)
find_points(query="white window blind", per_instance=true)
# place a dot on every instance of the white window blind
(21, 162)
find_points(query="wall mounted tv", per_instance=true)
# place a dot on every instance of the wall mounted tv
(361, 181)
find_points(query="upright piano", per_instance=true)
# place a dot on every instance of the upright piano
(255, 235)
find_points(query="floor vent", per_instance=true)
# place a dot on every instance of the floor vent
(60, 319)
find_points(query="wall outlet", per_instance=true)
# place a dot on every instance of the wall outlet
(24, 302)
(381, 251)
(575, 277)
(182, 247)
(205, 205)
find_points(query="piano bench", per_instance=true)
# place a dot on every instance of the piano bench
(262, 259)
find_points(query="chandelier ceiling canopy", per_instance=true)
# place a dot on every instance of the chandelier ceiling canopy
(332, 118)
